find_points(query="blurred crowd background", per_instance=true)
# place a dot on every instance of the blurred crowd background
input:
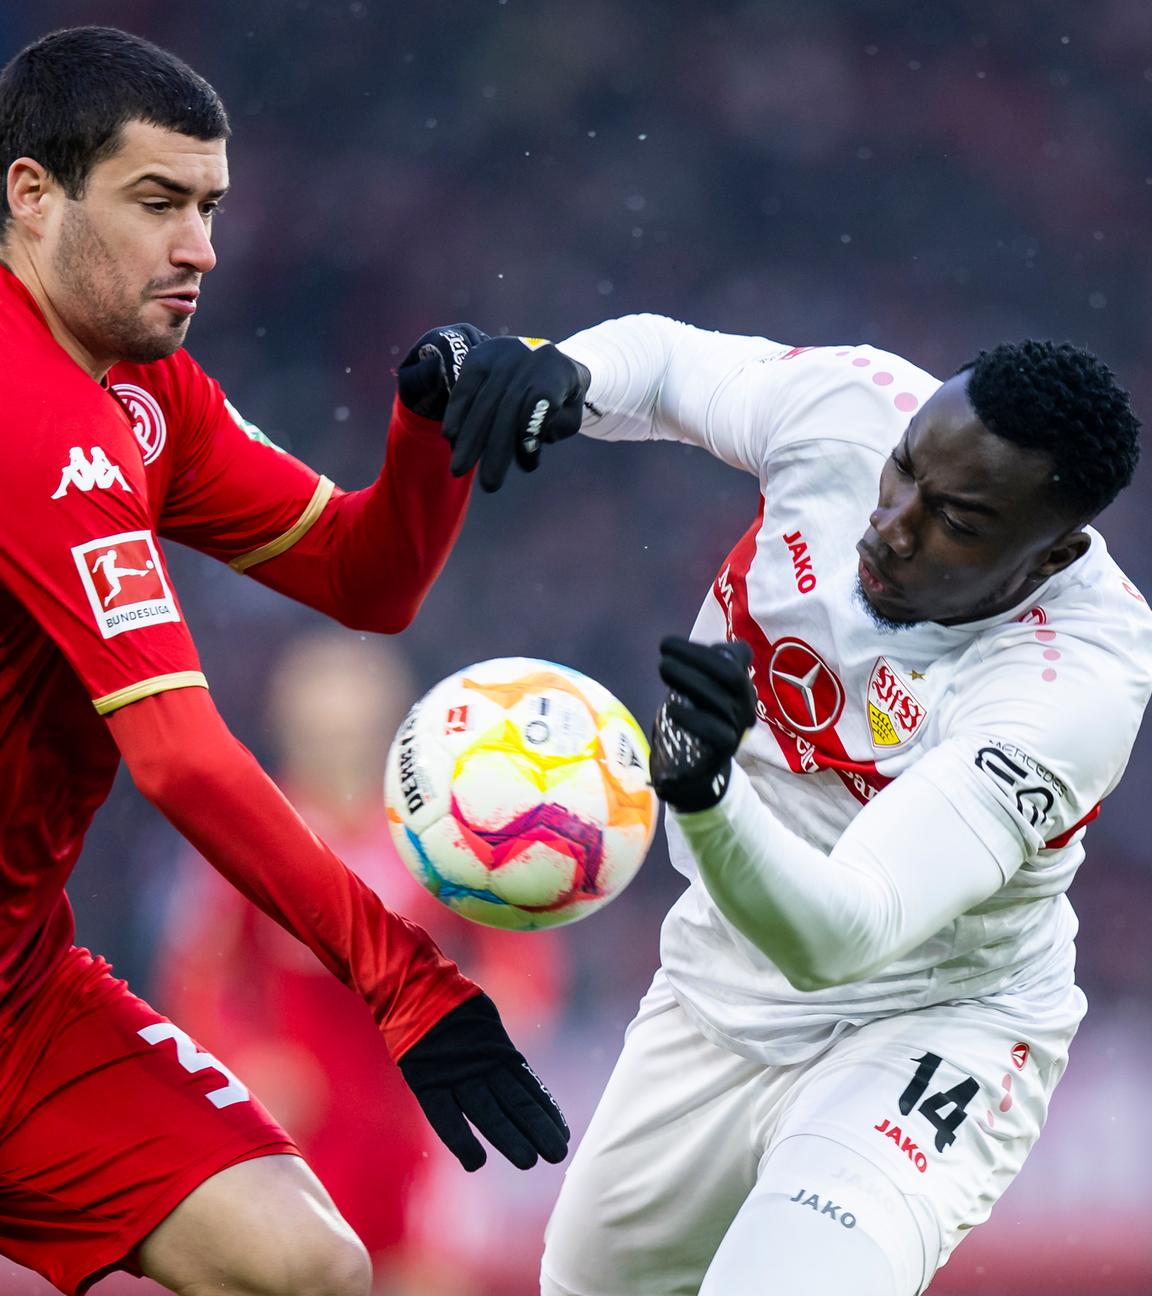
(927, 178)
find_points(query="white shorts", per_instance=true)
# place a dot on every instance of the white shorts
(884, 1149)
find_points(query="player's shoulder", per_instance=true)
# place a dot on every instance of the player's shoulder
(38, 378)
(857, 394)
(1085, 643)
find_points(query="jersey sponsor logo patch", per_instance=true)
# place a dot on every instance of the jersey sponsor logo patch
(91, 471)
(148, 425)
(806, 689)
(895, 713)
(125, 582)
(1019, 1055)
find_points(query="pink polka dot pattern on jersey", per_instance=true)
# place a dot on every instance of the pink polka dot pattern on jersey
(904, 401)
(1049, 673)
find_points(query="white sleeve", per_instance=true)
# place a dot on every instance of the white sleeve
(656, 379)
(922, 852)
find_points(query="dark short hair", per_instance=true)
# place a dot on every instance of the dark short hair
(65, 99)
(1061, 400)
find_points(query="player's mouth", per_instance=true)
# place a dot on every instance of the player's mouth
(182, 302)
(872, 577)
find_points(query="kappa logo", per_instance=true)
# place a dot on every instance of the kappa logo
(91, 471)
(894, 711)
(148, 425)
(125, 582)
(801, 562)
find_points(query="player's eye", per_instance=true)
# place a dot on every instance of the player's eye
(210, 209)
(158, 205)
(901, 465)
(957, 528)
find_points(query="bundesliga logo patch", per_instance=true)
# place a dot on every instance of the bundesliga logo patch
(894, 711)
(125, 582)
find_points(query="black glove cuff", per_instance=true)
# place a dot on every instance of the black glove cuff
(467, 1041)
(688, 772)
(429, 371)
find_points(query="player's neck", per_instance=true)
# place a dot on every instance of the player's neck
(25, 269)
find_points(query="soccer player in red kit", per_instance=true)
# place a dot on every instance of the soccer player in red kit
(122, 1145)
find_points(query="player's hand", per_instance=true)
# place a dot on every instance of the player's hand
(700, 724)
(467, 1069)
(429, 371)
(514, 395)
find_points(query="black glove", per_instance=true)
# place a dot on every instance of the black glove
(514, 395)
(467, 1067)
(429, 371)
(699, 726)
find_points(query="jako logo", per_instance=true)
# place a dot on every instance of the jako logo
(903, 1142)
(801, 562)
(93, 471)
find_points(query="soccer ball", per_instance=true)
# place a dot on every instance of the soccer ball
(517, 793)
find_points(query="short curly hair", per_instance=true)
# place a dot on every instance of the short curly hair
(1060, 399)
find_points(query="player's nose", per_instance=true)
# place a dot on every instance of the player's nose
(895, 525)
(193, 247)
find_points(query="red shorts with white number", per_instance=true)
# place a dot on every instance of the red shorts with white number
(109, 1117)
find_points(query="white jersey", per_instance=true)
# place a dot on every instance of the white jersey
(1032, 712)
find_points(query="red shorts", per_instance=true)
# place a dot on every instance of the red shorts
(109, 1117)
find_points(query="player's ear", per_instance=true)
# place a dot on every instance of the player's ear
(30, 189)
(1072, 545)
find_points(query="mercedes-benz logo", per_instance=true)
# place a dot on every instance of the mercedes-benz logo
(809, 695)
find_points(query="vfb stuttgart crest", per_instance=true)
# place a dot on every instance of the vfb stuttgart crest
(895, 713)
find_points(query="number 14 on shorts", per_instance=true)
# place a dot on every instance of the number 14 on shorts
(946, 1109)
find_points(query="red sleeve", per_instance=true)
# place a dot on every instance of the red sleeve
(78, 549)
(366, 558)
(185, 761)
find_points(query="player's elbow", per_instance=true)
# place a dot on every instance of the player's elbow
(388, 617)
(169, 775)
(809, 980)
(809, 970)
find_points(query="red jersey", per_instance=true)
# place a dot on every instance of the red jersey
(89, 619)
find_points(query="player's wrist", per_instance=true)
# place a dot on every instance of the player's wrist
(427, 374)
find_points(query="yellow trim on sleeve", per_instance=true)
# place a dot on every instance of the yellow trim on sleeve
(303, 524)
(145, 688)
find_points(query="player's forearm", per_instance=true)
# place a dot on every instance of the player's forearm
(831, 919)
(372, 556)
(211, 789)
(655, 378)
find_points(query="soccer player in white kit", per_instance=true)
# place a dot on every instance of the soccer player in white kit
(925, 674)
